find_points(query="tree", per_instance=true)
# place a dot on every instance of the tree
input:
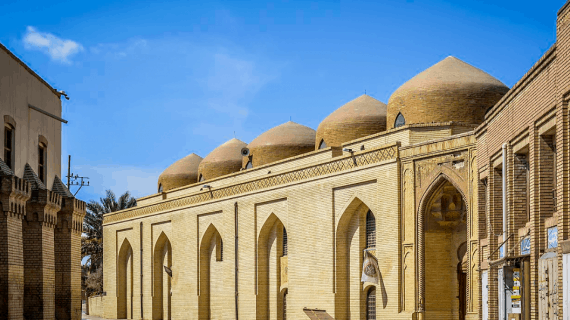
(92, 238)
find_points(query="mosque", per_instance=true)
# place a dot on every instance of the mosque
(417, 209)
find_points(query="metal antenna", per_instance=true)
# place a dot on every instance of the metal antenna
(364, 91)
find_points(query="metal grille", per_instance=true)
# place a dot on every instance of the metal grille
(371, 304)
(221, 250)
(285, 306)
(284, 241)
(370, 230)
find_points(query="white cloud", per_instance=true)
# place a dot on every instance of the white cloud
(58, 49)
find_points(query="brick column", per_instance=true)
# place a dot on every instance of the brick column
(39, 259)
(68, 259)
(495, 218)
(14, 192)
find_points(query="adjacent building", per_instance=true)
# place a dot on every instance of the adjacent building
(40, 220)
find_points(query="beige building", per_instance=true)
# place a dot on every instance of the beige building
(384, 212)
(281, 227)
(41, 221)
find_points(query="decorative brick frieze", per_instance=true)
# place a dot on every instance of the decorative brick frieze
(357, 159)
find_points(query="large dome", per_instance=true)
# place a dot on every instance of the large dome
(358, 118)
(223, 160)
(450, 90)
(284, 141)
(180, 173)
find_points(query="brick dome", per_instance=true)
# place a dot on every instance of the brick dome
(223, 160)
(180, 173)
(281, 142)
(450, 90)
(358, 118)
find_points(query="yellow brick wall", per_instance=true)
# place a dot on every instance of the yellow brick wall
(323, 215)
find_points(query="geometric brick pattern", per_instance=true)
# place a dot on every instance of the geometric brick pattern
(345, 163)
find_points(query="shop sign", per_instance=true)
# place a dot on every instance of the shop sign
(552, 237)
(525, 245)
(516, 293)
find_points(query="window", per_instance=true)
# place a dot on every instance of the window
(200, 178)
(285, 305)
(370, 230)
(42, 155)
(160, 188)
(9, 146)
(400, 121)
(249, 165)
(323, 144)
(284, 242)
(371, 304)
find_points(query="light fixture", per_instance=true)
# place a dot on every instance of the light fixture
(205, 186)
(347, 150)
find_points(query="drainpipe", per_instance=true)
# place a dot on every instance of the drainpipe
(504, 196)
(141, 246)
(236, 256)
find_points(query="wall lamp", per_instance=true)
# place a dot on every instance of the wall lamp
(206, 186)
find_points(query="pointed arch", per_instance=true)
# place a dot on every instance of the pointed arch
(210, 247)
(162, 285)
(350, 241)
(441, 222)
(269, 299)
(442, 175)
(125, 281)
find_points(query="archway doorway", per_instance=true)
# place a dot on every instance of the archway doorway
(445, 236)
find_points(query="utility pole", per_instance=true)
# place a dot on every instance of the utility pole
(68, 170)
(74, 182)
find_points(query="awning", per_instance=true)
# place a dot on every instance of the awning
(317, 314)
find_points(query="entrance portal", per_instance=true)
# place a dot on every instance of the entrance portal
(445, 253)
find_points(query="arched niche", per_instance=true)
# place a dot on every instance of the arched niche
(351, 240)
(211, 268)
(270, 260)
(125, 281)
(162, 284)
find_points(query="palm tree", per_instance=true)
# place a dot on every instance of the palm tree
(92, 238)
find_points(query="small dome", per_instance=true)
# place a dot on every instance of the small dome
(450, 90)
(180, 173)
(358, 118)
(223, 160)
(281, 142)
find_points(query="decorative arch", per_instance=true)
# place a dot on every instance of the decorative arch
(270, 260)
(441, 176)
(125, 281)
(210, 246)
(443, 267)
(162, 284)
(350, 241)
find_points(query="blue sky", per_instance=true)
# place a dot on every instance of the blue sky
(153, 82)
